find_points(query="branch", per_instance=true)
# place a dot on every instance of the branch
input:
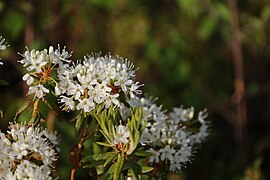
(239, 85)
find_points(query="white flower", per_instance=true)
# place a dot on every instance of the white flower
(183, 154)
(122, 135)
(3, 44)
(86, 105)
(202, 134)
(175, 166)
(201, 116)
(134, 89)
(154, 158)
(75, 90)
(60, 55)
(123, 81)
(29, 79)
(181, 114)
(37, 63)
(68, 103)
(39, 90)
(57, 90)
(167, 153)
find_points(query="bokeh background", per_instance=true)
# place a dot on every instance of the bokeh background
(212, 54)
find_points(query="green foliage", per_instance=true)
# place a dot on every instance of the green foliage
(3, 83)
(14, 23)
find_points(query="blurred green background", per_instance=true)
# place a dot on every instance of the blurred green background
(185, 54)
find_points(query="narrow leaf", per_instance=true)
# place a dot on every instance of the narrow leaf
(93, 164)
(79, 125)
(109, 160)
(118, 167)
(98, 157)
(143, 153)
(108, 173)
(3, 83)
(21, 109)
(104, 144)
(146, 169)
(35, 120)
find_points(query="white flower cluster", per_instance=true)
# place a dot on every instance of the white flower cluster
(26, 153)
(169, 138)
(3, 46)
(96, 80)
(40, 65)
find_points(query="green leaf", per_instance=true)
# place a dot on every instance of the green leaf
(21, 109)
(110, 160)
(134, 168)
(79, 125)
(123, 100)
(146, 169)
(107, 4)
(143, 153)
(104, 144)
(92, 171)
(93, 164)
(98, 157)
(207, 28)
(265, 13)
(14, 23)
(97, 149)
(108, 173)
(35, 120)
(51, 102)
(3, 83)
(118, 166)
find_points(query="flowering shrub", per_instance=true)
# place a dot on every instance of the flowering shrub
(136, 137)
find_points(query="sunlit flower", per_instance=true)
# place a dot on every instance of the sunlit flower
(29, 79)
(98, 80)
(39, 66)
(122, 135)
(39, 90)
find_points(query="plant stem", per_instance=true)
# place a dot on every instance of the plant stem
(76, 151)
(238, 99)
(72, 176)
(35, 110)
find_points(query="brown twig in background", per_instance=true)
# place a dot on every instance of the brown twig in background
(75, 153)
(50, 121)
(238, 99)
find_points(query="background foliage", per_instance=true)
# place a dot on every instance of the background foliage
(183, 49)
